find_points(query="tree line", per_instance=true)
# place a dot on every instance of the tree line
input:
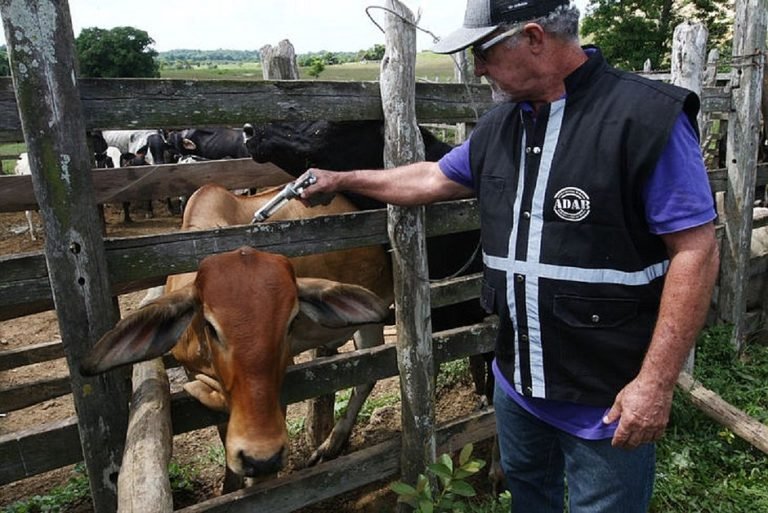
(628, 32)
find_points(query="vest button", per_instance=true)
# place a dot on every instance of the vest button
(536, 150)
(527, 149)
(519, 278)
(529, 390)
(526, 215)
(595, 318)
(524, 337)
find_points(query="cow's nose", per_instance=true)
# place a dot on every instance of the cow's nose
(253, 467)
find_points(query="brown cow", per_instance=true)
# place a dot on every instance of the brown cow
(236, 322)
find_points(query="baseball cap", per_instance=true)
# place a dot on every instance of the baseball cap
(482, 17)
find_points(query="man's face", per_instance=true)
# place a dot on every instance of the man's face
(503, 66)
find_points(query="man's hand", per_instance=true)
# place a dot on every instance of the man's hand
(642, 409)
(320, 192)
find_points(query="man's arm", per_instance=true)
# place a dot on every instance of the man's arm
(642, 407)
(413, 184)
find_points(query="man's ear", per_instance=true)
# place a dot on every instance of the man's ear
(535, 37)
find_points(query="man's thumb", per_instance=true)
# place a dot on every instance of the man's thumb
(613, 414)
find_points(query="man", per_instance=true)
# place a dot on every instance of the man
(599, 250)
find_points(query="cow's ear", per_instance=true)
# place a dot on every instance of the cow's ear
(187, 144)
(147, 333)
(336, 305)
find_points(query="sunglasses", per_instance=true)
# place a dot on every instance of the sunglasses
(480, 52)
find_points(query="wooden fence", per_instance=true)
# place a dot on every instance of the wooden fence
(116, 266)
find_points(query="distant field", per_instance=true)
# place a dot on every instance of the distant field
(429, 67)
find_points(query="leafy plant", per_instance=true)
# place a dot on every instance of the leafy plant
(59, 499)
(181, 477)
(372, 403)
(453, 372)
(452, 488)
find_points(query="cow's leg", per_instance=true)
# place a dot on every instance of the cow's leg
(232, 481)
(28, 213)
(127, 212)
(368, 336)
(319, 419)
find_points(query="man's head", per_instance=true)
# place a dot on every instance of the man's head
(523, 48)
(489, 22)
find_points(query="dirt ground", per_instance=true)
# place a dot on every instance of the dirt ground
(201, 450)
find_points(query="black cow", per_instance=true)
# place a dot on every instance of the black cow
(349, 145)
(209, 143)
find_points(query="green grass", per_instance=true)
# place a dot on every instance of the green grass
(11, 149)
(59, 499)
(703, 467)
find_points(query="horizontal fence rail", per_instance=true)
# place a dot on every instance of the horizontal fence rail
(139, 262)
(147, 103)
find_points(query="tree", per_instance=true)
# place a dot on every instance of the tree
(374, 53)
(316, 67)
(629, 32)
(119, 52)
(330, 58)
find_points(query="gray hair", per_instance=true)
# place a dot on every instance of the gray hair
(563, 23)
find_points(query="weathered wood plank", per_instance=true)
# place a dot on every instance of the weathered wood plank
(42, 61)
(34, 353)
(406, 226)
(141, 103)
(139, 262)
(20, 396)
(718, 178)
(750, 22)
(344, 474)
(745, 427)
(143, 485)
(39, 449)
(153, 182)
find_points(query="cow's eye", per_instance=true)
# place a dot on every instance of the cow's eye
(211, 333)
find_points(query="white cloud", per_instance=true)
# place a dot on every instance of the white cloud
(334, 25)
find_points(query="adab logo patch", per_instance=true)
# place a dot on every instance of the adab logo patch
(571, 204)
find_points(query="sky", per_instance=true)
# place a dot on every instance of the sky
(310, 25)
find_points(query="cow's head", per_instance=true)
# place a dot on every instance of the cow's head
(233, 326)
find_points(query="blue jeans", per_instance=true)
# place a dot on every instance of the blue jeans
(538, 459)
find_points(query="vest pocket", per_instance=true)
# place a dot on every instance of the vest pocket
(495, 200)
(488, 298)
(586, 312)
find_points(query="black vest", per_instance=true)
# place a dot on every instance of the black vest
(570, 265)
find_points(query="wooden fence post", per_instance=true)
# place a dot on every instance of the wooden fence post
(42, 55)
(403, 145)
(279, 62)
(143, 485)
(689, 49)
(464, 73)
(741, 161)
(708, 138)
